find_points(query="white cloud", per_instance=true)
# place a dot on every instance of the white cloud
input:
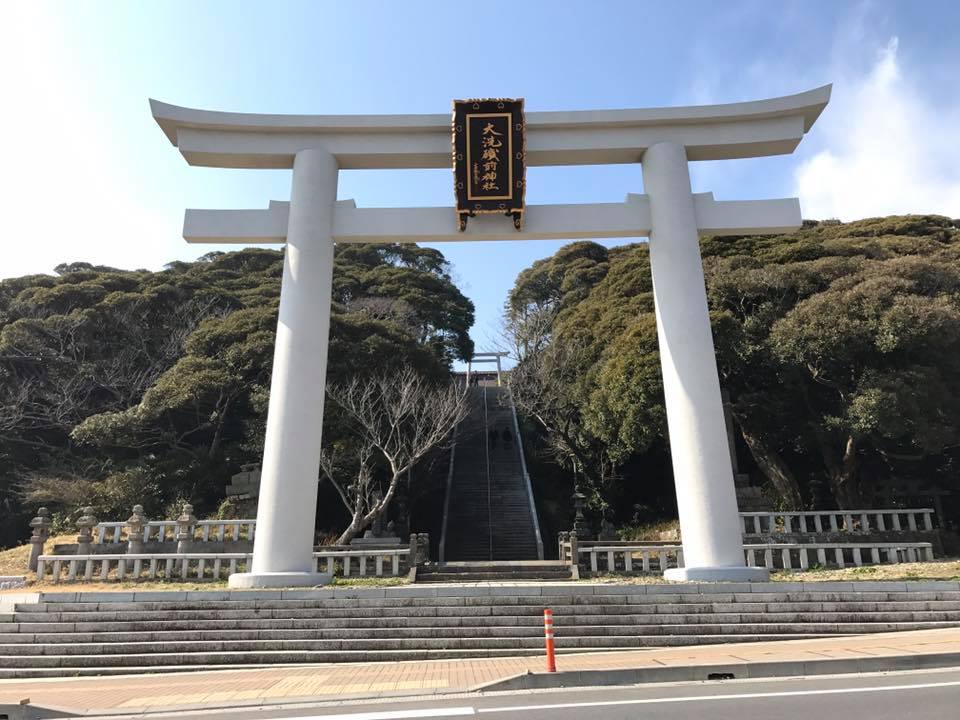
(888, 150)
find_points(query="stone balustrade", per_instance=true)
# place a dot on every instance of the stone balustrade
(629, 558)
(837, 521)
(342, 562)
(166, 531)
(651, 558)
(799, 556)
(751, 523)
(207, 566)
(118, 567)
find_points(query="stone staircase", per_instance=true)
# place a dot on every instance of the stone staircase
(489, 515)
(66, 634)
(494, 570)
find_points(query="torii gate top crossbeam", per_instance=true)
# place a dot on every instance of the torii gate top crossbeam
(585, 137)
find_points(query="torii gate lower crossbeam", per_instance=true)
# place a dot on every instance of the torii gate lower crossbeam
(663, 140)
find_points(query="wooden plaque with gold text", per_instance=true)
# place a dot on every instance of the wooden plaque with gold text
(488, 158)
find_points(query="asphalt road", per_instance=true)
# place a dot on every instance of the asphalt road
(921, 695)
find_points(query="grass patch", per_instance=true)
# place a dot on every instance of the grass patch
(607, 578)
(938, 570)
(14, 560)
(370, 581)
(948, 569)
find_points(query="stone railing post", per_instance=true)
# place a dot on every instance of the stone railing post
(41, 531)
(185, 528)
(85, 525)
(135, 525)
(563, 537)
(574, 556)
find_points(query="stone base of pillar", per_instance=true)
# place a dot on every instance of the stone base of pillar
(718, 574)
(244, 581)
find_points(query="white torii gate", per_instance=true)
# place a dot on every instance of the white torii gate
(663, 140)
(488, 357)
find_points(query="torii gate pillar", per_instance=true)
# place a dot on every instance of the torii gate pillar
(706, 499)
(283, 545)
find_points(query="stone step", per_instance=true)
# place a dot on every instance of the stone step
(447, 607)
(40, 631)
(657, 595)
(352, 651)
(461, 566)
(73, 633)
(436, 638)
(29, 652)
(493, 576)
(446, 597)
(46, 640)
(43, 632)
(488, 474)
(186, 663)
(476, 609)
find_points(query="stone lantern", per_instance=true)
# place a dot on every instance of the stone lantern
(41, 531)
(185, 525)
(580, 525)
(85, 525)
(135, 526)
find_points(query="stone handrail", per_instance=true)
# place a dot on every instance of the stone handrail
(526, 477)
(204, 566)
(623, 558)
(846, 521)
(166, 531)
(446, 498)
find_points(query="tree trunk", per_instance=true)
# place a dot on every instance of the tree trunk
(361, 522)
(844, 477)
(221, 423)
(355, 527)
(775, 469)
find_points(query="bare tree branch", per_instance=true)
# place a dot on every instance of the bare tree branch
(403, 417)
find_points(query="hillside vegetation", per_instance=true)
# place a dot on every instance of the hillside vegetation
(839, 346)
(121, 387)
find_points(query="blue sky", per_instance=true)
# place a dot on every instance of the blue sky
(89, 176)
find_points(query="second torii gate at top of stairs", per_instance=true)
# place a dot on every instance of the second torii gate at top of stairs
(492, 357)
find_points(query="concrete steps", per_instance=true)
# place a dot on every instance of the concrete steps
(494, 570)
(95, 665)
(489, 516)
(89, 634)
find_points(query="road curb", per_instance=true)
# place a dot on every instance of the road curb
(723, 671)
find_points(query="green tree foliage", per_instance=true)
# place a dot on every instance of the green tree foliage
(157, 382)
(839, 344)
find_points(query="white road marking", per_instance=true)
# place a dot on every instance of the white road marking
(396, 714)
(701, 698)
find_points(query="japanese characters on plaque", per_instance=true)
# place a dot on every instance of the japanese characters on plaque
(488, 158)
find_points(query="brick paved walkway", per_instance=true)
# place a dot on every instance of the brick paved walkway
(324, 682)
